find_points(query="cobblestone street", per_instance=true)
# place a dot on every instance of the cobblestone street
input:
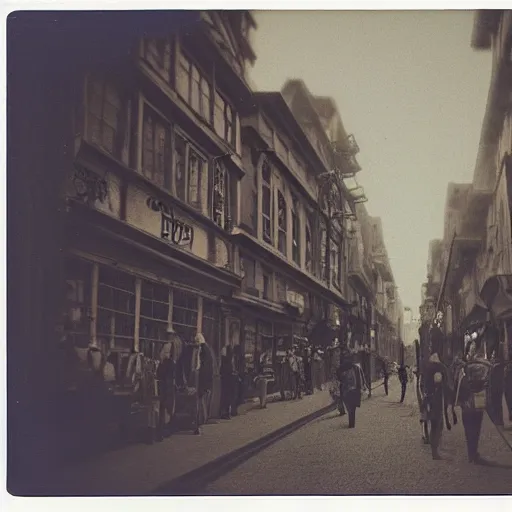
(384, 454)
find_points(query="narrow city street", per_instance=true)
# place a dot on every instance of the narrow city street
(384, 454)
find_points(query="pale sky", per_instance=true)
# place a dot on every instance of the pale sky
(411, 89)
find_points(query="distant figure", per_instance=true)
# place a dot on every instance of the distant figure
(238, 377)
(402, 377)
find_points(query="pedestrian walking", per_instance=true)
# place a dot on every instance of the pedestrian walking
(226, 382)
(350, 388)
(402, 377)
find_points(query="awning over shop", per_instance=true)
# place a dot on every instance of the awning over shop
(497, 295)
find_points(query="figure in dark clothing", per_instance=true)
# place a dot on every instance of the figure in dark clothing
(350, 388)
(436, 394)
(402, 377)
(308, 377)
(385, 375)
(238, 374)
(226, 383)
(205, 379)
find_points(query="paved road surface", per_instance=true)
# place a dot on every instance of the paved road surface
(384, 454)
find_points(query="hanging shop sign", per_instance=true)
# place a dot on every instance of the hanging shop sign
(172, 228)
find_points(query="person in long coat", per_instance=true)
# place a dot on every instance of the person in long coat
(350, 387)
(226, 382)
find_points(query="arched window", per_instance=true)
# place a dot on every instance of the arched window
(281, 222)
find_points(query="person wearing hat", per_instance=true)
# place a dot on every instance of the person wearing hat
(350, 386)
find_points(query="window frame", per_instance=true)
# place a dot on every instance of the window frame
(282, 222)
(296, 225)
(119, 134)
(267, 217)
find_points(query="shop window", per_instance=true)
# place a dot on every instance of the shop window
(154, 313)
(295, 231)
(211, 325)
(267, 203)
(281, 222)
(76, 315)
(116, 308)
(250, 346)
(157, 53)
(156, 148)
(184, 315)
(104, 116)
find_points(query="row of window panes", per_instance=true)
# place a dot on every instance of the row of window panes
(195, 88)
(187, 167)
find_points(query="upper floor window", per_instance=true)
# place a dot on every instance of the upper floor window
(220, 196)
(156, 148)
(309, 247)
(224, 120)
(323, 251)
(281, 222)
(194, 88)
(267, 203)
(104, 116)
(295, 232)
(157, 52)
(335, 256)
(190, 174)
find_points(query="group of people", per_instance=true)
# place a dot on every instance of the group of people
(476, 381)
(299, 373)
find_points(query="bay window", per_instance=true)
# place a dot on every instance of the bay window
(281, 222)
(248, 275)
(267, 203)
(104, 116)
